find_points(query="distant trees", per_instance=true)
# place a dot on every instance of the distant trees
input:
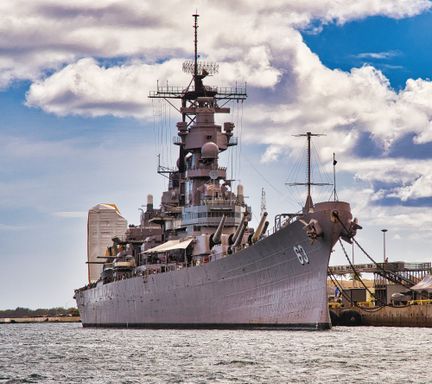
(27, 312)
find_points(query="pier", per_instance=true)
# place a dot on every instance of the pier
(413, 272)
(385, 300)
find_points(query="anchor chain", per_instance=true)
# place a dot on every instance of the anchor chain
(387, 274)
(359, 277)
(336, 284)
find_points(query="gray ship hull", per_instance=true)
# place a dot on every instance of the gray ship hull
(264, 285)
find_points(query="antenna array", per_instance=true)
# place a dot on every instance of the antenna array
(202, 68)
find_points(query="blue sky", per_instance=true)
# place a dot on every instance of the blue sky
(77, 128)
(404, 45)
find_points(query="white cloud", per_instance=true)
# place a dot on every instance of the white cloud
(377, 55)
(418, 93)
(85, 88)
(88, 89)
(341, 104)
(341, 12)
(411, 178)
(294, 89)
(305, 95)
(421, 187)
(411, 222)
(45, 34)
(255, 67)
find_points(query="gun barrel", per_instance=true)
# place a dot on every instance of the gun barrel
(239, 238)
(215, 238)
(239, 228)
(260, 228)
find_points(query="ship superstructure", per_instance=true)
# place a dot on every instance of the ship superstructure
(195, 262)
(199, 197)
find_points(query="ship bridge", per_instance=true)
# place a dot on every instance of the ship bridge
(210, 214)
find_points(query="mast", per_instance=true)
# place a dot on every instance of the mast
(199, 71)
(335, 196)
(309, 134)
(195, 16)
(188, 96)
(309, 183)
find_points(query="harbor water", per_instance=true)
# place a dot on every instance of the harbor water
(68, 353)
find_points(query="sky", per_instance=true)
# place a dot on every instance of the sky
(77, 127)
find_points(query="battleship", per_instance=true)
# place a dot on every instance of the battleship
(195, 262)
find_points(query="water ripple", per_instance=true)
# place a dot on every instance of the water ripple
(68, 353)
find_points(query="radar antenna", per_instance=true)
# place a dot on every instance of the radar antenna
(199, 71)
(199, 68)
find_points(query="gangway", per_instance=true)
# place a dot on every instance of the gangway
(398, 272)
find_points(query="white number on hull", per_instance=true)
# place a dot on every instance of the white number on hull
(301, 254)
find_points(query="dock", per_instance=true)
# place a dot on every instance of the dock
(391, 298)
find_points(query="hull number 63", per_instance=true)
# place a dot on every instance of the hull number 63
(301, 254)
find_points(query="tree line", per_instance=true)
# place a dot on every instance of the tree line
(27, 312)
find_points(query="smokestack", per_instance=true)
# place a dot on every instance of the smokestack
(240, 194)
(149, 203)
